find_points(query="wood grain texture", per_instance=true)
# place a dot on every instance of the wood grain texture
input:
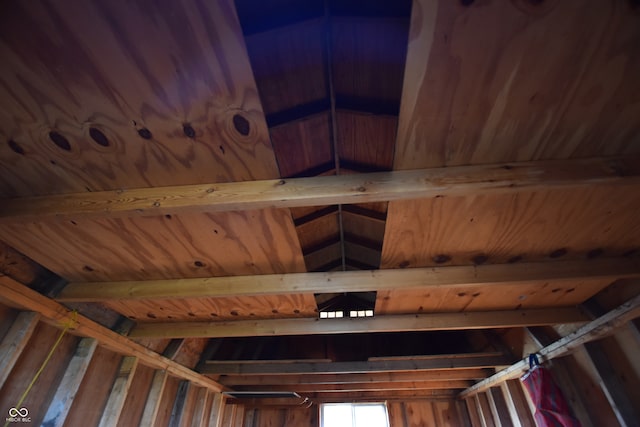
(163, 247)
(415, 413)
(502, 297)
(524, 177)
(389, 323)
(470, 95)
(530, 226)
(215, 309)
(93, 393)
(366, 139)
(302, 146)
(137, 75)
(289, 66)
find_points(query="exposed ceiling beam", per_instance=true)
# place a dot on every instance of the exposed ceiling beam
(352, 281)
(364, 386)
(373, 377)
(598, 328)
(327, 190)
(16, 294)
(390, 323)
(416, 364)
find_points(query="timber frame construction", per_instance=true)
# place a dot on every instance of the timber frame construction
(190, 190)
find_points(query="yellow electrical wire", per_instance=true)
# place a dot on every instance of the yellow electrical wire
(68, 324)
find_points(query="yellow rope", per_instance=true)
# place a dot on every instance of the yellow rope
(68, 324)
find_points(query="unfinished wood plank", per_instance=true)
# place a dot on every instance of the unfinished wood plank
(160, 98)
(362, 386)
(463, 105)
(517, 404)
(202, 245)
(502, 228)
(612, 385)
(426, 363)
(484, 410)
(371, 378)
(61, 403)
(391, 323)
(217, 410)
(499, 407)
(15, 341)
(593, 330)
(474, 413)
(447, 277)
(152, 405)
(326, 190)
(119, 391)
(57, 315)
(198, 413)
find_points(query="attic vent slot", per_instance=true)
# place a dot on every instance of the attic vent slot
(348, 304)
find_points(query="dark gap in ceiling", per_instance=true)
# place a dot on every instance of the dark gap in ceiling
(259, 16)
(339, 347)
(329, 75)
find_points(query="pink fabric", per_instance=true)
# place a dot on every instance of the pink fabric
(552, 409)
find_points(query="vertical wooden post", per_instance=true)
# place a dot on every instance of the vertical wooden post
(152, 405)
(517, 404)
(66, 392)
(217, 406)
(178, 404)
(201, 399)
(15, 341)
(612, 386)
(499, 407)
(119, 391)
(486, 418)
(472, 408)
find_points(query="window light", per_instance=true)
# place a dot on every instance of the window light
(352, 304)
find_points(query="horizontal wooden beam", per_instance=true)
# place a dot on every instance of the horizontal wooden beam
(371, 377)
(594, 330)
(408, 385)
(328, 190)
(52, 312)
(391, 323)
(419, 364)
(352, 281)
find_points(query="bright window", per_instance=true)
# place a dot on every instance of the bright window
(354, 415)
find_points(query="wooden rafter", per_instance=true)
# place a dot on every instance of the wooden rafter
(593, 330)
(390, 323)
(352, 281)
(19, 295)
(327, 190)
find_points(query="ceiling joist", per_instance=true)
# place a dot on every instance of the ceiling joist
(390, 323)
(415, 364)
(336, 379)
(327, 190)
(352, 281)
(596, 329)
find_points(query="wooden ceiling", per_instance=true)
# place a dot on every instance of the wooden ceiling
(205, 168)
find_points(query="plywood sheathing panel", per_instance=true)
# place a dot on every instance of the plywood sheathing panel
(97, 96)
(205, 309)
(509, 81)
(303, 146)
(508, 228)
(498, 297)
(173, 246)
